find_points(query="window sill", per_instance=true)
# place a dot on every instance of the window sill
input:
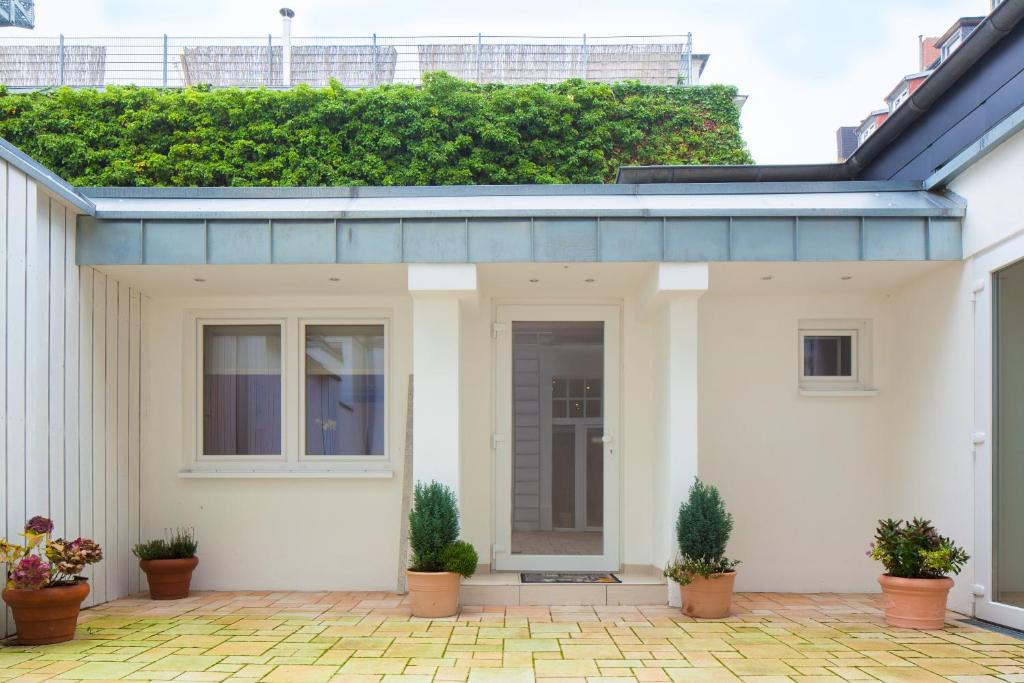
(839, 393)
(287, 474)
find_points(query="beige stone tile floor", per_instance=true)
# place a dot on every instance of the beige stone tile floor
(370, 638)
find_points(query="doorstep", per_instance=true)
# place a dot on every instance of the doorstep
(638, 587)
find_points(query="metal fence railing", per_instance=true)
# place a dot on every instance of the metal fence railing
(355, 62)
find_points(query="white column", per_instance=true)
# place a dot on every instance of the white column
(674, 298)
(438, 294)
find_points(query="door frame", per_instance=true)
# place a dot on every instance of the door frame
(504, 316)
(984, 266)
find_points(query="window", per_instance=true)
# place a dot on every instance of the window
(344, 377)
(835, 355)
(867, 132)
(287, 393)
(575, 397)
(242, 389)
(899, 99)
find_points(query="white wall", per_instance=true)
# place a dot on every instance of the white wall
(803, 476)
(992, 190)
(930, 401)
(282, 533)
(69, 388)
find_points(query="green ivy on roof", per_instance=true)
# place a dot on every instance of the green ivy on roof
(445, 132)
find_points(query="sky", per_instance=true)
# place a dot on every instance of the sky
(807, 66)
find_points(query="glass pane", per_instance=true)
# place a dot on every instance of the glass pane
(575, 408)
(595, 477)
(345, 390)
(559, 387)
(828, 355)
(553, 510)
(563, 477)
(241, 389)
(1008, 461)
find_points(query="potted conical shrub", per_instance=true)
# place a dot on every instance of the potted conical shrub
(704, 574)
(917, 563)
(168, 564)
(44, 588)
(438, 558)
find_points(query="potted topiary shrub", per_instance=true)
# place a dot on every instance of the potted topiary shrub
(43, 587)
(704, 574)
(917, 561)
(169, 564)
(438, 559)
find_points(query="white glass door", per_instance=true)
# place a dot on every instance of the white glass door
(999, 436)
(557, 470)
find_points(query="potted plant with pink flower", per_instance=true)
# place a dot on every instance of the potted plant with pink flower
(44, 588)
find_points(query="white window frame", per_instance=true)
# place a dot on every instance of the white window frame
(292, 460)
(859, 381)
(303, 456)
(900, 99)
(872, 127)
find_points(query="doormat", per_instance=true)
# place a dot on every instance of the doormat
(568, 577)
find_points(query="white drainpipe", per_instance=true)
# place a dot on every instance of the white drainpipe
(286, 47)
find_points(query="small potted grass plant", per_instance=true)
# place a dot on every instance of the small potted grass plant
(917, 563)
(43, 587)
(168, 564)
(704, 574)
(438, 559)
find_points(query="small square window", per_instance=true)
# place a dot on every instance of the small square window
(835, 355)
(828, 355)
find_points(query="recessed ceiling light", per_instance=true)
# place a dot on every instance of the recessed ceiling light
(589, 279)
(198, 279)
(333, 279)
(533, 279)
(767, 277)
(846, 277)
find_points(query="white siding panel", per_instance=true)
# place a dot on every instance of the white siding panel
(134, 437)
(57, 424)
(123, 322)
(37, 352)
(85, 410)
(16, 220)
(99, 430)
(3, 367)
(72, 465)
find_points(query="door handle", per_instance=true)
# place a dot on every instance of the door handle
(606, 438)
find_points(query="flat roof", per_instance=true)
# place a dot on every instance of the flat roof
(509, 224)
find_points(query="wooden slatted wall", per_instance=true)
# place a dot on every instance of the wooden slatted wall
(69, 388)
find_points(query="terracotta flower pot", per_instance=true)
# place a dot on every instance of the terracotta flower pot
(915, 603)
(433, 594)
(47, 615)
(709, 598)
(169, 579)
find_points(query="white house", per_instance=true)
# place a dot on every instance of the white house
(274, 367)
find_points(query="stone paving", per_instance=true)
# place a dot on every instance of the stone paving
(369, 637)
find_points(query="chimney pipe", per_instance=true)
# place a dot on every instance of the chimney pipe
(286, 47)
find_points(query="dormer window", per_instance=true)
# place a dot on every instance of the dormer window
(899, 99)
(867, 132)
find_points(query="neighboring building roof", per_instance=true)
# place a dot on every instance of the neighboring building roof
(44, 176)
(981, 84)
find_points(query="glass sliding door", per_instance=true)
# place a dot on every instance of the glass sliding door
(1008, 433)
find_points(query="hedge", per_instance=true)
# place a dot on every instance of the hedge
(446, 131)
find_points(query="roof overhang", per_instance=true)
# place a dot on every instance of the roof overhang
(489, 224)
